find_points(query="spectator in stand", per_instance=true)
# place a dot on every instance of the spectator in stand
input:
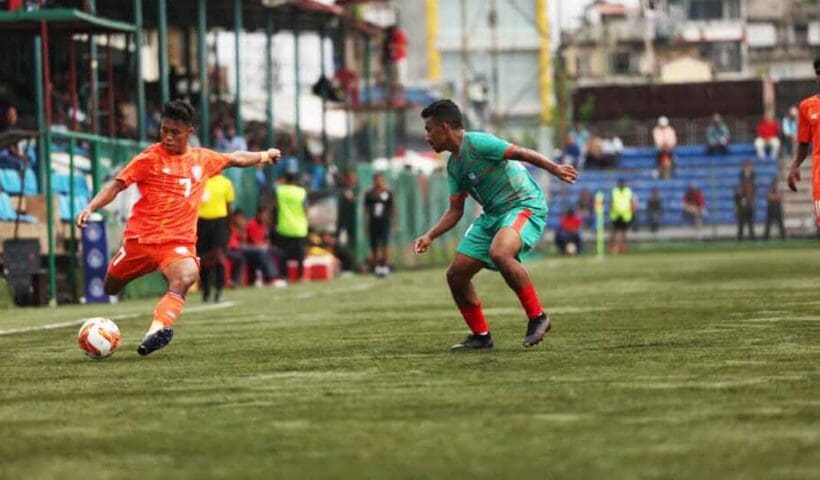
(234, 253)
(788, 127)
(235, 141)
(346, 206)
(744, 210)
(767, 136)
(594, 157)
(571, 153)
(694, 206)
(257, 250)
(747, 176)
(581, 136)
(665, 142)
(717, 136)
(611, 149)
(12, 156)
(218, 138)
(654, 210)
(586, 207)
(774, 210)
(345, 256)
(568, 236)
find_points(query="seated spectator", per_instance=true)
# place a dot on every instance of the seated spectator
(767, 136)
(330, 243)
(665, 142)
(257, 251)
(594, 157)
(11, 156)
(234, 253)
(611, 149)
(571, 154)
(717, 137)
(654, 209)
(568, 236)
(694, 206)
(788, 128)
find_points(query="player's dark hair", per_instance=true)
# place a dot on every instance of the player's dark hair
(178, 110)
(290, 177)
(817, 65)
(444, 111)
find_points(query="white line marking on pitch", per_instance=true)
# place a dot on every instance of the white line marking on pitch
(74, 323)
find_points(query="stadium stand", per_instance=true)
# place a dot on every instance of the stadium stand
(716, 175)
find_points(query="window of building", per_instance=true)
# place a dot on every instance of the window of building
(705, 9)
(621, 63)
(801, 34)
(724, 56)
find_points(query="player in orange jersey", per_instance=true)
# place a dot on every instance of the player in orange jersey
(808, 132)
(161, 232)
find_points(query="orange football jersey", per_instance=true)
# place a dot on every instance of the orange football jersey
(170, 189)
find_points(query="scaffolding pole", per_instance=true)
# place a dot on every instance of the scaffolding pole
(204, 88)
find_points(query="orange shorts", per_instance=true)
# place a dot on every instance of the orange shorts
(136, 259)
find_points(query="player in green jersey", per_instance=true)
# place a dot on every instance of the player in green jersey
(515, 213)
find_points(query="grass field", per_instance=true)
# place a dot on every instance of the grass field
(659, 365)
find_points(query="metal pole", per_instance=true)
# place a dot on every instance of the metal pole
(367, 100)
(348, 100)
(204, 88)
(45, 167)
(237, 27)
(297, 124)
(109, 65)
(141, 128)
(465, 61)
(94, 100)
(72, 80)
(322, 38)
(72, 253)
(162, 27)
(269, 121)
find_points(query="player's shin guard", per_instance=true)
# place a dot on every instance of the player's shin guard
(168, 310)
(474, 317)
(529, 300)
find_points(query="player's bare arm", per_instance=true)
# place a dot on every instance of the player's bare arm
(447, 221)
(249, 159)
(105, 196)
(566, 173)
(800, 154)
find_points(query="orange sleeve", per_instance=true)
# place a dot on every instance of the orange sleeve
(213, 162)
(803, 125)
(136, 170)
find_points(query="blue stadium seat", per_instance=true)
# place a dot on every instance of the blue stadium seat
(10, 181)
(7, 212)
(30, 182)
(64, 205)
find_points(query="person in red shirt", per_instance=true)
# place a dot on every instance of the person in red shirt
(569, 233)
(694, 206)
(257, 247)
(161, 232)
(808, 132)
(767, 136)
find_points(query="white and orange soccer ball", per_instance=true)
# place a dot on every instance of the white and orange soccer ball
(99, 337)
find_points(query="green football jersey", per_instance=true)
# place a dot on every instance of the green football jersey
(499, 185)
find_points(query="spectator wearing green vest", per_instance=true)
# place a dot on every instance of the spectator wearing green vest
(621, 212)
(290, 216)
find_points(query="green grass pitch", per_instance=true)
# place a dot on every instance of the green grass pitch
(659, 365)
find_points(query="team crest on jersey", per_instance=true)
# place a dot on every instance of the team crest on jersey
(196, 171)
(473, 177)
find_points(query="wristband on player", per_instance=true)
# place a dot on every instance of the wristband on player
(264, 156)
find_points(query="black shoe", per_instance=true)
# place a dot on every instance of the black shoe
(474, 342)
(218, 296)
(205, 296)
(155, 341)
(536, 329)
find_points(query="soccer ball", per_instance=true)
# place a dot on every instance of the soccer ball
(99, 338)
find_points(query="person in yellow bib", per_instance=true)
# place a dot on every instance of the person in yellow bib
(290, 217)
(621, 212)
(212, 234)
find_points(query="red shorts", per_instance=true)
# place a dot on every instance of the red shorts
(136, 259)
